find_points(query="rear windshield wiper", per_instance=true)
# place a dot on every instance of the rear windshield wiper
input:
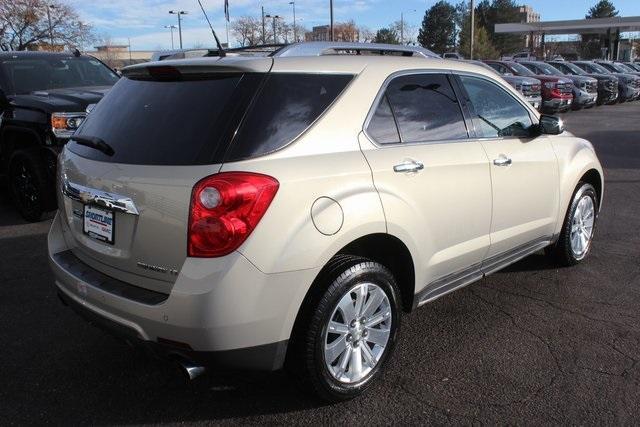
(94, 142)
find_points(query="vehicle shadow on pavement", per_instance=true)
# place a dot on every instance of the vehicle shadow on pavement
(8, 214)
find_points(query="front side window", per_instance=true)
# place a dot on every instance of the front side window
(499, 114)
(425, 107)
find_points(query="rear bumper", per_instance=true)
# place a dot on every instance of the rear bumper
(223, 312)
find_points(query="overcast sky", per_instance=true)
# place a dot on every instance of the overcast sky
(143, 20)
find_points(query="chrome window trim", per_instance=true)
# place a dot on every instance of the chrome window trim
(381, 93)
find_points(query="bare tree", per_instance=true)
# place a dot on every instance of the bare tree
(28, 23)
(247, 30)
(366, 35)
(346, 31)
(108, 52)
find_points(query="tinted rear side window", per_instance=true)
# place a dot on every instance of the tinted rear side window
(162, 122)
(426, 108)
(382, 126)
(285, 107)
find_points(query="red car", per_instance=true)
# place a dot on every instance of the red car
(557, 91)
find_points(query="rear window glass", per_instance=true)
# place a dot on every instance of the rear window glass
(159, 122)
(286, 106)
(191, 122)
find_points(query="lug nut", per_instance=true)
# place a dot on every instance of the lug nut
(365, 333)
(353, 323)
(349, 338)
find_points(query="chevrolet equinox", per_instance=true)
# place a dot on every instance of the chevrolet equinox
(283, 211)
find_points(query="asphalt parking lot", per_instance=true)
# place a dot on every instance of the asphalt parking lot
(530, 345)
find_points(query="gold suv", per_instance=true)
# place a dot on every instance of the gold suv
(282, 211)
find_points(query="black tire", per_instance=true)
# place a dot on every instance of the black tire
(562, 251)
(305, 359)
(30, 188)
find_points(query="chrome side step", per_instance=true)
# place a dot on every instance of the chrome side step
(455, 281)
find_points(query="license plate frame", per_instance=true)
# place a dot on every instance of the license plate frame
(99, 224)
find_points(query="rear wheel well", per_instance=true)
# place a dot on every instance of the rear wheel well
(393, 254)
(592, 177)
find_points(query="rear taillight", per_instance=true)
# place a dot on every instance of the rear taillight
(225, 209)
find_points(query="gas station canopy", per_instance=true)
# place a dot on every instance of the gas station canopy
(577, 26)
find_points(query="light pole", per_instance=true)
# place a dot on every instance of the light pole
(402, 24)
(274, 17)
(264, 32)
(171, 27)
(473, 29)
(331, 20)
(295, 33)
(179, 13)
(49, 7)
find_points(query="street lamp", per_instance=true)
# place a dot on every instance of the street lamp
(295, 34)
(402, 24)
(274, 17)
(473, 29)
(49, 7)
(179, 13)
(330, 20)
(171, 27)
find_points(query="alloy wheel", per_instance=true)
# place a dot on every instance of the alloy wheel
(358, 332)
(582, 226)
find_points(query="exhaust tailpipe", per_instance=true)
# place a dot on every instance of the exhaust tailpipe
(190, 369)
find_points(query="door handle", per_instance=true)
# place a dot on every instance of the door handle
(502, 161)
(409, 166)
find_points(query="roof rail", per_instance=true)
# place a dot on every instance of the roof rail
(352, 48)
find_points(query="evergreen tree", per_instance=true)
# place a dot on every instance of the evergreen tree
(386, 35)
(438, 31)
(592, 43)
(603, 9)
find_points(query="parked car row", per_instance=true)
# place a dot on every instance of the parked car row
(573, 85)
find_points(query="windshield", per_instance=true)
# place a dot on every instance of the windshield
(625, 68)
(521, 70)
(570, 68)
(27, 75)
(595, 67)
(548, 69)
(611, 67)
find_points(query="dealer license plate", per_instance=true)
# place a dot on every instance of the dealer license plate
(98, 223)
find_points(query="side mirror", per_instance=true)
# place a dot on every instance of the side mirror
(551, 125)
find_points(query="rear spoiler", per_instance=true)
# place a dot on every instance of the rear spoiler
(178, 69)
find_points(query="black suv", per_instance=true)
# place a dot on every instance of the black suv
(43, 99)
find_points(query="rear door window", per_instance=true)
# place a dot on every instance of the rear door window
(382, 127)
(426, 108)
